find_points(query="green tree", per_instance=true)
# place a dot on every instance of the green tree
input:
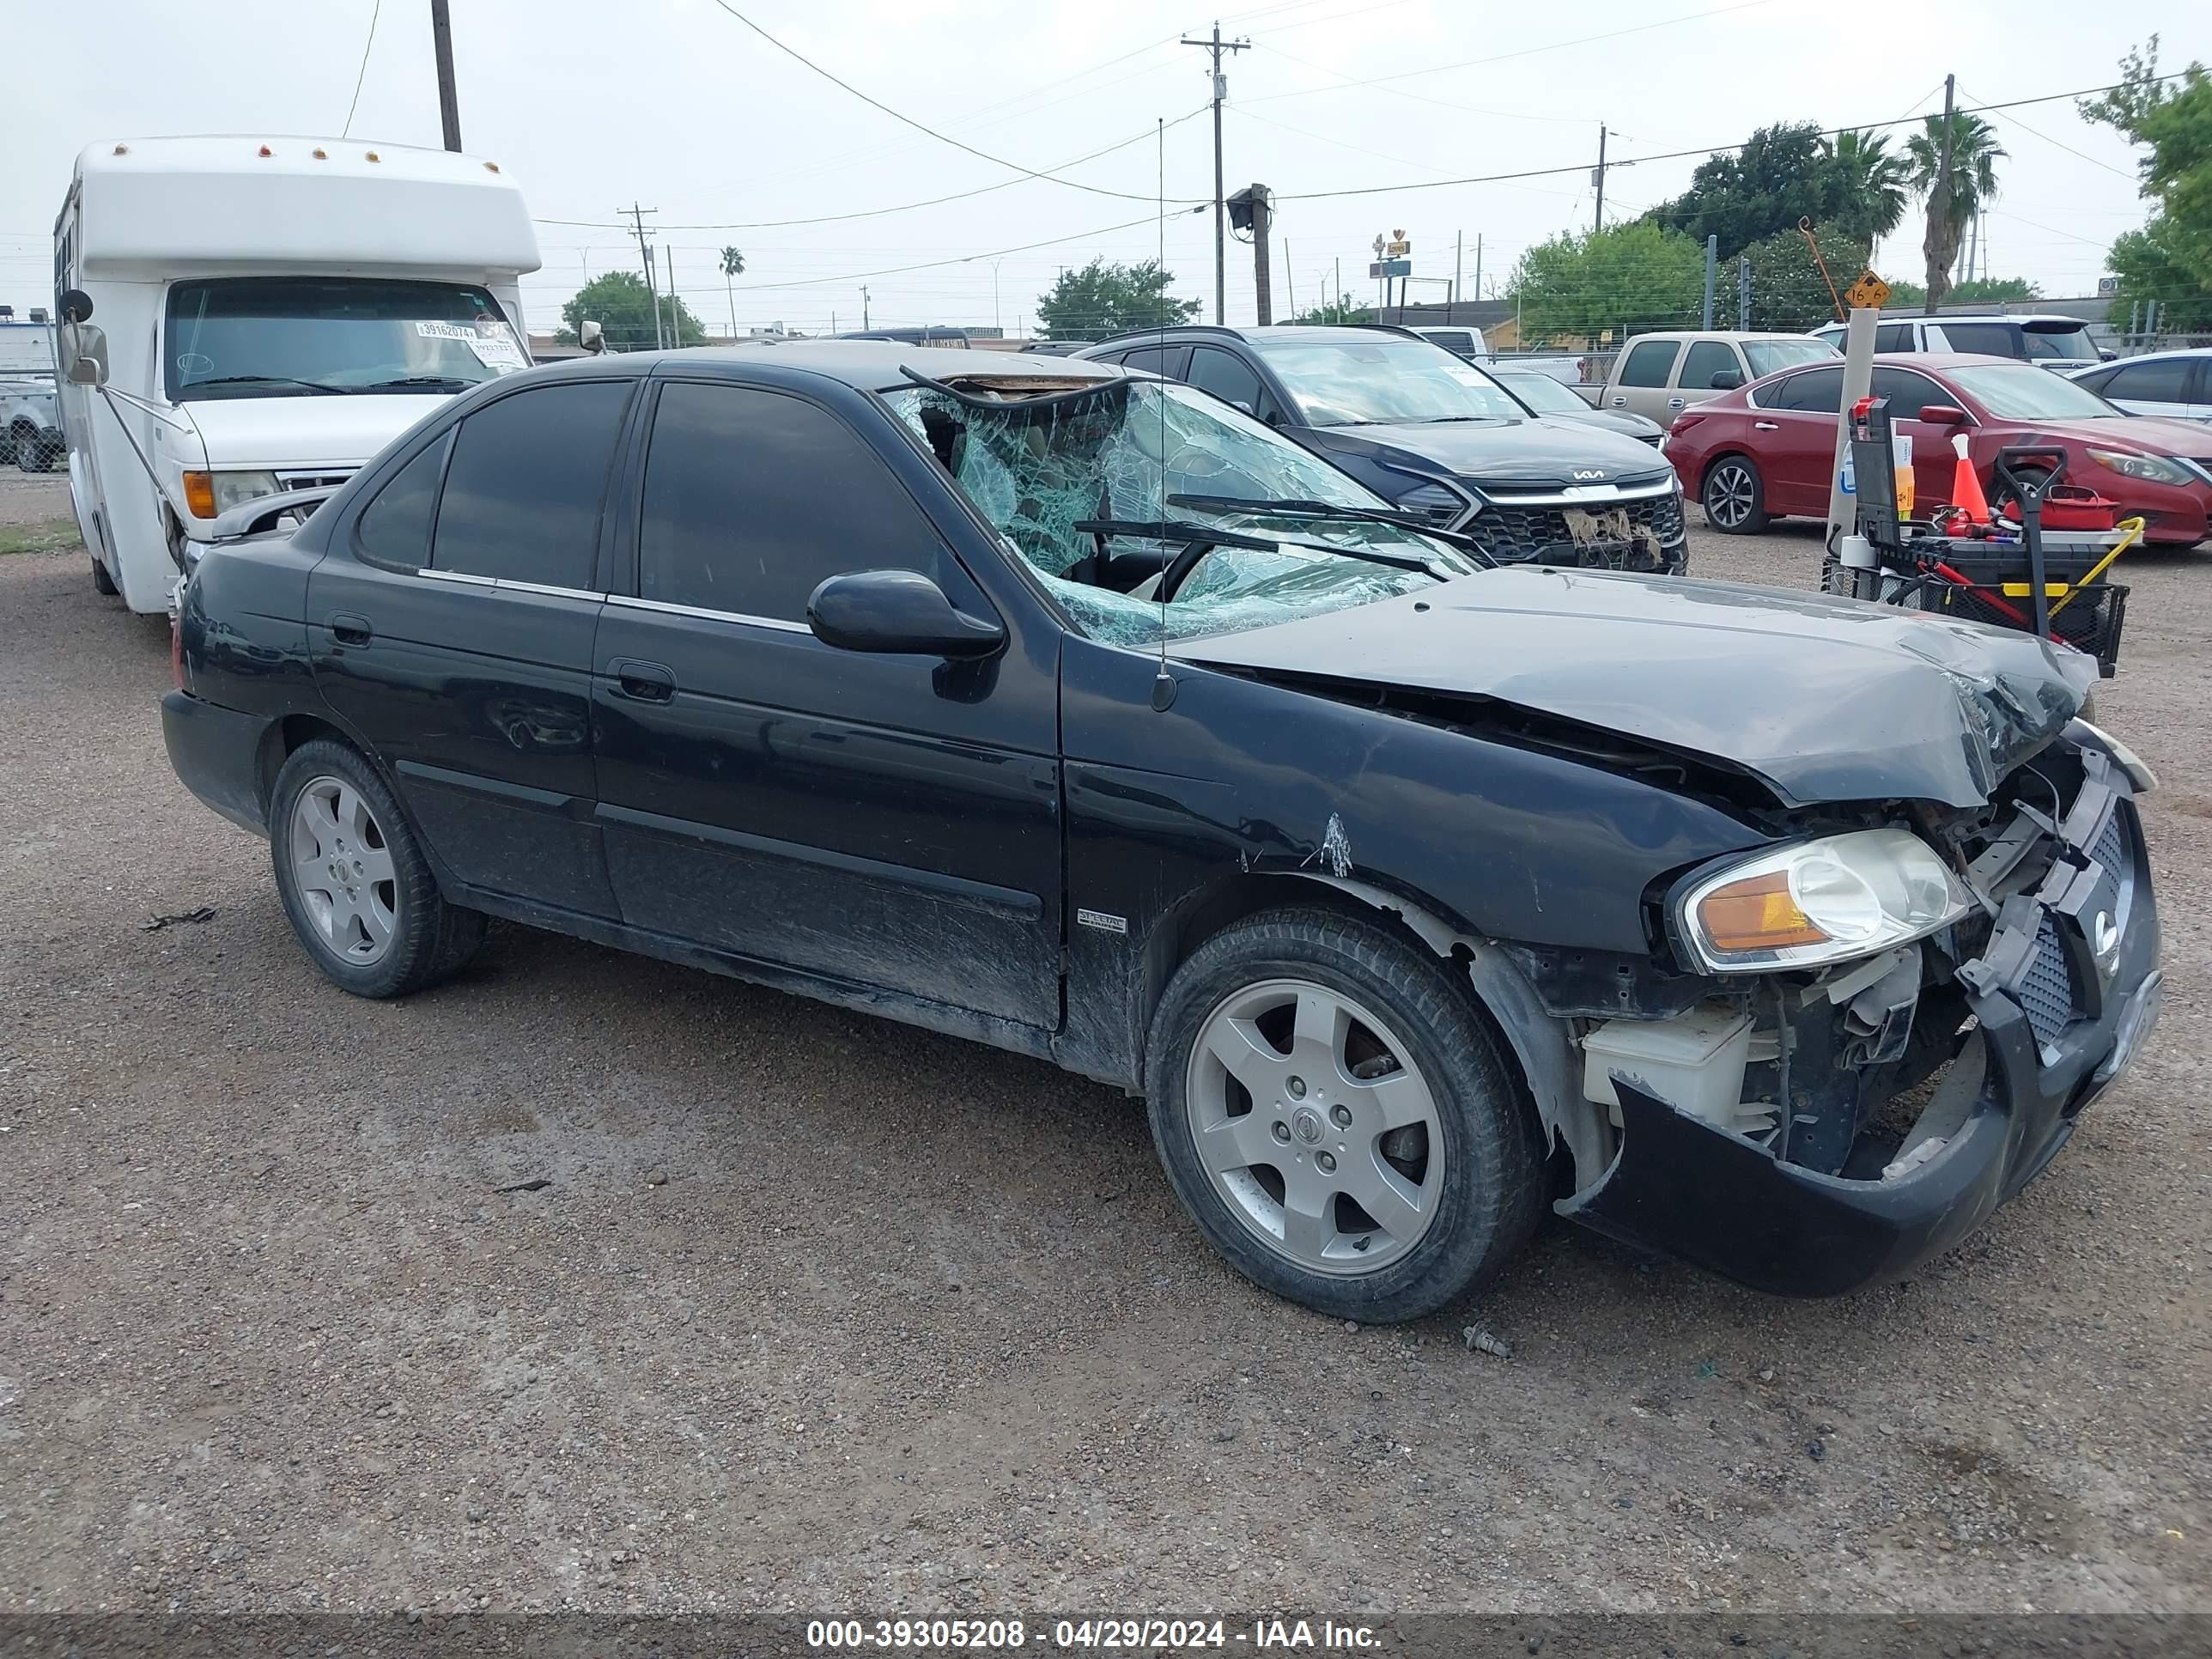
(1869, 185)
(622, 305)
(1972, 184)
(1627, 279)
(733, 266)
(2169, 260)
(1788, 293)
(1781, 175)
(1102, 298)
(1338, 310)
(1982, 291)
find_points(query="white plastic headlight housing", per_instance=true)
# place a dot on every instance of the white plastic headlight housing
(1814, 902)
(2152, 469)
(234, 488)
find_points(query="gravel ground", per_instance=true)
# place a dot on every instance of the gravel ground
(805, 1311)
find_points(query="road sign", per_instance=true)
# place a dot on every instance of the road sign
(1391, 268)
(1869, 293)
(2108, 287)
(1398, 247)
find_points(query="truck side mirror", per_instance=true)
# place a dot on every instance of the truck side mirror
(1727, 381)
(591, 336)
(76, 305)
(87, 347)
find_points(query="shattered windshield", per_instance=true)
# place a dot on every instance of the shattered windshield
(1035, 469)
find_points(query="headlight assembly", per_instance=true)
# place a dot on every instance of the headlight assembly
(1812, 903)
(2152, 469)
(210, 495)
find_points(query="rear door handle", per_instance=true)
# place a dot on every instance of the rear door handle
(1766, 426)
(347, 628)
(647, 682)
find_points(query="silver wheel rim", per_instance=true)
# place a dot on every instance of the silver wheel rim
(1315, 1127)
(1727, 495)
(342, 866)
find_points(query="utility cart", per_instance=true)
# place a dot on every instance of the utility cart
(2040, 565)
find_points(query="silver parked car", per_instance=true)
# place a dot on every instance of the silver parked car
(2176, 386)
(1555, 400)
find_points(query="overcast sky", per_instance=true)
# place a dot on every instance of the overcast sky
(677, 105)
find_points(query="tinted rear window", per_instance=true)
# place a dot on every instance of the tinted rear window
(529, 473)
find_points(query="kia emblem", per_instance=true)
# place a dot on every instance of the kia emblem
(1589, 472)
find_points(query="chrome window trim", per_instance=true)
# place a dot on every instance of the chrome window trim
(505, 584)
(665, 609)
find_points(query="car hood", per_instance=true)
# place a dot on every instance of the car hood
(1823, 699)
(2148, 434)
(1516, 451)
(1612, 420)
(304, 431)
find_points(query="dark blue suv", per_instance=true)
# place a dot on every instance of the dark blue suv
(1434, 434)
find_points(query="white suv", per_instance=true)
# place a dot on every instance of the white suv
(2055, 342)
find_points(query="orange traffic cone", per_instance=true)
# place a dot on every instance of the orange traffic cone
(1966, 487)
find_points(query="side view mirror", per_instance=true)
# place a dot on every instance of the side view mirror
(76, 306)
(899, 612)
(591, 336)
(1727, 381)
(1943, 415)
(2106, 354)
(87, 347)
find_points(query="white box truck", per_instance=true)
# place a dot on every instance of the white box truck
(272, 311)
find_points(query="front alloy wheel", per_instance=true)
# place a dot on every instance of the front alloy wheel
(1316, 1130)
(1331, 1104)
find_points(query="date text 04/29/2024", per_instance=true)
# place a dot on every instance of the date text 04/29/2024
(1102, 1635)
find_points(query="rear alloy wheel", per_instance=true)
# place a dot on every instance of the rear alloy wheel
(1734, 496)
(1333, 1111)
(356, 887)
(32, 455)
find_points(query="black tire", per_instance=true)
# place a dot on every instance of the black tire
(1492, 1191)
(429, 939)
(1733, 497)
(32, 455)
(102, 583)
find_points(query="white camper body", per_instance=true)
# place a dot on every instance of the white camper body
(275, 311)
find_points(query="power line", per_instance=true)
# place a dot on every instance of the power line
(908, 120)
(1700, 150)
(367, 47)
(2084, 155)
(904, 207)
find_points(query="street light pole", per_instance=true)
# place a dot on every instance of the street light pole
(1216, 45)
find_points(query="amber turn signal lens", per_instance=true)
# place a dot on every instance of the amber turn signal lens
(199, 494)
(1756, 914)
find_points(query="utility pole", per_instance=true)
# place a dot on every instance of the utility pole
(1459, 261)
(1743, 295)
(1939, 207)
(1263, 218)
(1712, 267)
(1477, 267)
(1290, 281)
(442, 39)
(1598, 178)
(1216, 45)
(863, 310)
(645, 255)
(675, 306)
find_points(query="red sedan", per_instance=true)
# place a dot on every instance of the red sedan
(1764, 450)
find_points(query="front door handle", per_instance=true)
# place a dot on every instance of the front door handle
(1766, 426)
(647, 682)
(347, 628)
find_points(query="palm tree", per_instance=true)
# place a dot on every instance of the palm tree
(1974, 183)
(1871, 182)
(734, 265)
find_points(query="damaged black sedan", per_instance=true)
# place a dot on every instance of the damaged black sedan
(1078, 713)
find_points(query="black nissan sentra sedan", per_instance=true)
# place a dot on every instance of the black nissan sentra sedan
(1074, 712)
